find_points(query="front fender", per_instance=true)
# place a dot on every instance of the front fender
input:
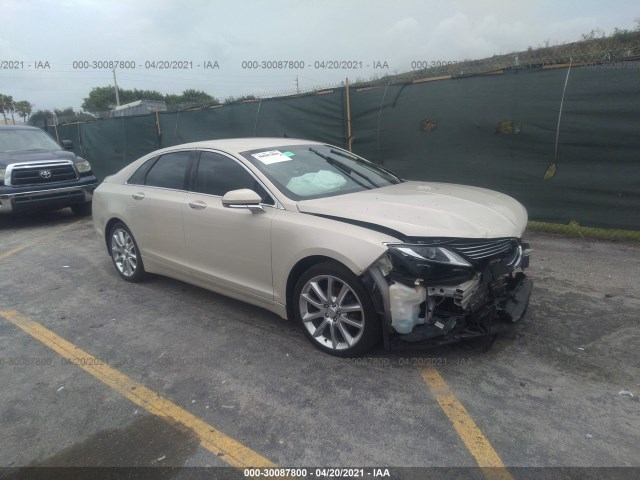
(296, 236)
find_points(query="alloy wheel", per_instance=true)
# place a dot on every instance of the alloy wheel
(332, 312)
(123, 251)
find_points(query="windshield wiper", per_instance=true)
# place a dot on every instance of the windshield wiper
(346, 169)
(359, 160)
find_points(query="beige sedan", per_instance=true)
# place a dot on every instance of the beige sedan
(314, 233)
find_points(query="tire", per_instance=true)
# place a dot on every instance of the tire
(82, 209)
(326, 322)
(125, 253)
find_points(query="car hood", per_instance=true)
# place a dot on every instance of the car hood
(427, 209)
(35, 155)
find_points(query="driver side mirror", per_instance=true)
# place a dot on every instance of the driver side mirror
(67, 144)
(243, 198)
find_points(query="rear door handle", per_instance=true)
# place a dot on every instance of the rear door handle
(198, 205)
(137, 196)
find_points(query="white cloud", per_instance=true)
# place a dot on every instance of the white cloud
(462, 37)
(405, 31)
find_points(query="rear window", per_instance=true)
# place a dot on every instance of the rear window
(138, 177)
(169, 171)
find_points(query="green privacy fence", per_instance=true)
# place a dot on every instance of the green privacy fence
(494, 130)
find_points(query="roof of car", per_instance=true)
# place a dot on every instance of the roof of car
(237, 145)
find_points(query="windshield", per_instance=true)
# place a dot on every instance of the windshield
(304, 172)
(18, 139)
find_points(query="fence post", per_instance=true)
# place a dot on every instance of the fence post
(55, 127)
(349, 135)
(158, 128)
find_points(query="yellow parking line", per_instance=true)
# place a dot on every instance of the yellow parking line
(37, 240)
(474, 440)
(225, 447)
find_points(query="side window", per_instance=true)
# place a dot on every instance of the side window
(169, 171)
(218, 175)
(138, 177)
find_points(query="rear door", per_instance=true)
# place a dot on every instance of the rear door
(157, 192)
(228, 246)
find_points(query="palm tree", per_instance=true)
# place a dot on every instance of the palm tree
(9, 106)
(2, 108)
(24, 110)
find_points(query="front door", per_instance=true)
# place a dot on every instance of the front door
(228, 246)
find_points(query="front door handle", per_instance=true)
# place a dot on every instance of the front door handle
(198, 205)
(137, 196)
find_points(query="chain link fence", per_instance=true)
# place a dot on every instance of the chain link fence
(620, 51)
(609, 52)
(385, 125)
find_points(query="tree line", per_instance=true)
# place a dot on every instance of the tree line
(102, 99)
(8, 106)
(98, 101)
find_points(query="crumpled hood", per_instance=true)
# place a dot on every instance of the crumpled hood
(428, 209)
(36, 155)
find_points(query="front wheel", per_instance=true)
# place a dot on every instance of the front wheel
(335, 311)
(125, 253)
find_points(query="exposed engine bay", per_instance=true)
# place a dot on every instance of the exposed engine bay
(438, 291)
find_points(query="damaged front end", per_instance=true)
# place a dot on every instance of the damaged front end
(436, 291)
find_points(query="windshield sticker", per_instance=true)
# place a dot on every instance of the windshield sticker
(288, 154)
(272, 156)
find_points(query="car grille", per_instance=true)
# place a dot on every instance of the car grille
(485, 249)
(37, 173)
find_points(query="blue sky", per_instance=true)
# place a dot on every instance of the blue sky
(230, 32)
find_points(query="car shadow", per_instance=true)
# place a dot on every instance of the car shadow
(259, 319)
(36, 219)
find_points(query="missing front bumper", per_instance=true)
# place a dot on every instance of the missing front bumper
(480, 310)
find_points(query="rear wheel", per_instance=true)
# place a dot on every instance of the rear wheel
(125, 253)
(335, 311)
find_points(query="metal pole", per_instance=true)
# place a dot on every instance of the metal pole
(115, 82)
(379, 120)
(349, 135)
(159, 131)
(55, 126)
(255, 125)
